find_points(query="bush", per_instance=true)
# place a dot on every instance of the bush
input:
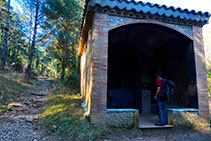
(18, 67)
(73, 80)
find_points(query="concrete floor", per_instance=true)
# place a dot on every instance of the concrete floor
(148, 121)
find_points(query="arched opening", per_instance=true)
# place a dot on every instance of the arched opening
(135, 52)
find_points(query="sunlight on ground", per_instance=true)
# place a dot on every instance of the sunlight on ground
(60, 103)
(63, 110)
(54, 109)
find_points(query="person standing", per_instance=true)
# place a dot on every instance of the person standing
(161, 101)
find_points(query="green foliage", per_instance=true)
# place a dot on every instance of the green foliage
(209, 74)
(19, 41)
(209, 90)
(55, 53)
(63, 20)
(17, 51)
(73, 79)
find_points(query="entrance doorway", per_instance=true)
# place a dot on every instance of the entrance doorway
(135, 53)
(124, 77)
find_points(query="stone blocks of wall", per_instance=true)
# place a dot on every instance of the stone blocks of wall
(186, 119)
(122, 119)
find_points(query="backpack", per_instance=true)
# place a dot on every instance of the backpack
(167, 88)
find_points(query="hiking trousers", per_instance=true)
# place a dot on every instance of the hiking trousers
(162, 111)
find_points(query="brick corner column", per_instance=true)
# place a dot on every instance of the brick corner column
(201, 73)
(100, 60)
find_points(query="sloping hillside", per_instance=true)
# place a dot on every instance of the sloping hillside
(10, 86)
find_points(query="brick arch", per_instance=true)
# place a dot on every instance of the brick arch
(149, 22)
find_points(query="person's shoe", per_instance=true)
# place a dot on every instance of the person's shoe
(159, 124)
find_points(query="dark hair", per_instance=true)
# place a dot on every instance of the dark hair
(159, 72)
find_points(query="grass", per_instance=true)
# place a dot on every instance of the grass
(64, 112)
(10, 86)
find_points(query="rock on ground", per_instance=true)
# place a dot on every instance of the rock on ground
(21, 121)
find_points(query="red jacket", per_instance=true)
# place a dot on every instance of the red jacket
(159, 83)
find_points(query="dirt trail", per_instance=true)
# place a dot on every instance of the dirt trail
(21, 122)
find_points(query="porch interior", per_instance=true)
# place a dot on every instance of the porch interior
(135, 53)
(149, 120)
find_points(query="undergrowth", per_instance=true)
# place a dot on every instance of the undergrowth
(11, 84)
(63, 112)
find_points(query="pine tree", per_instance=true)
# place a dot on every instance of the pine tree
(4, 53)
(32, 49)
(63, 20)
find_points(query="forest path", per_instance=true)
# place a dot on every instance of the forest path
(21, 121)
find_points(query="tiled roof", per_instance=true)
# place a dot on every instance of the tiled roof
(153, 9)
(131, 8)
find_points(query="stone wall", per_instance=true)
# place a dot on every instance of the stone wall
(121, 118)
(116, 21)
(186, 118)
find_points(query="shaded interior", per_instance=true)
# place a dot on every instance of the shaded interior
(135, 52)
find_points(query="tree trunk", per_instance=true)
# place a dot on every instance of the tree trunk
(63, 71)
(32, 50)
(4, 53)
(15, 50)
(16, 57)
